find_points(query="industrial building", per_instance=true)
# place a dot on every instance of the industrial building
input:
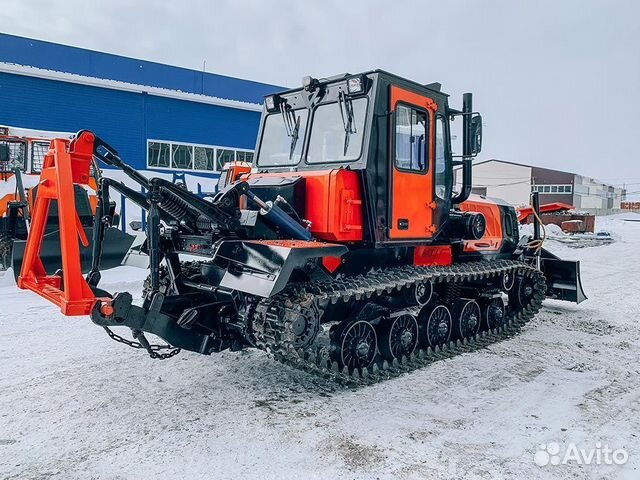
(514, 182)
(159, 117)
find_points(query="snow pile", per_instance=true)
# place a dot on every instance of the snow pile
(602, 236)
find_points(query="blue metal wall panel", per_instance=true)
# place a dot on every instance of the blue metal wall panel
(62, 58)
(123, 119)
(169, 119)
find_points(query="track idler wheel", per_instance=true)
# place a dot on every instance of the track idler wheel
(398, 336)
(493, 313)
(355, 345)
(435, 325)
(522, 293)
(466, 318)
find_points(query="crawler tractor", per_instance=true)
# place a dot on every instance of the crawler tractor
(343, 250)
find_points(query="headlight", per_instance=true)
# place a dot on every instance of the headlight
(355, 85)
(271, 102)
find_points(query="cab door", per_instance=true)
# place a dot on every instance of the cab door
(411, 170)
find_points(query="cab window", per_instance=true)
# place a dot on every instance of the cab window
(441, 165)
(411, 139)
(282, 138)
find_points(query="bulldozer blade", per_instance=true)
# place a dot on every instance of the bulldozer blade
(263, 268)
(115, 246)
(563, 278)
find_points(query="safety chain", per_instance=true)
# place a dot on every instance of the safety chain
(151, 349)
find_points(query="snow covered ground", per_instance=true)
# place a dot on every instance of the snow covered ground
(76, 405)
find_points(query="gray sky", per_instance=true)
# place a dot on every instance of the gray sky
(557, 82)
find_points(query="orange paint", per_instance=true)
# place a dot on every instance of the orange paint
(412, 196)
(333, 203)
(331, 263)
(64, 165)
(492, 239)
(427, 256)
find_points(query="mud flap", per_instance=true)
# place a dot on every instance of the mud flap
(263, 268)
(115, 247)
(563, 278)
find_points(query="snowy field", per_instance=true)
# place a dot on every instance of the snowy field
(76, 405)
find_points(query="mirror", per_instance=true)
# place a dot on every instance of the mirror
(476, 134)
(4, 153)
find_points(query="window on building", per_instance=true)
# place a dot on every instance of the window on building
(204, 158)
(242, 156)
(159, 154)
(17, 154)
(184, 156)
(411, 139)
(224, 156)
(38, 151)
(552, 188)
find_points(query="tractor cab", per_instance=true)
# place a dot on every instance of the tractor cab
(384, 137)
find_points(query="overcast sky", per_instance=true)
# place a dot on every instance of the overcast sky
(557, 82)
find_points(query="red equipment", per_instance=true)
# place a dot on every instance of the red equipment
(524, 212)
(64, 165)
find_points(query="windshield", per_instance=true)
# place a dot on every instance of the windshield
(333, 137)
(277, 141)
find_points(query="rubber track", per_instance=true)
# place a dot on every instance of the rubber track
(277, 311)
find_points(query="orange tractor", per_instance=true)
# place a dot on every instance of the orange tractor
(343, 250)
(22, 154)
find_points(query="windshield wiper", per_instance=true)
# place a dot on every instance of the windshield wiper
(346, 113)
(292, 125)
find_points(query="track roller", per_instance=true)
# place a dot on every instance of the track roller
(355, 344)
(493, 313)
(466, 318)
(435, 325)
(508, 279)
(420, 293)
(398, 336)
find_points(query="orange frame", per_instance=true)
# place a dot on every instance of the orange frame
(65, 164)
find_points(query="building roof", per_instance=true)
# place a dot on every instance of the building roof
(524, 165)
(49, 56)
(590, 179)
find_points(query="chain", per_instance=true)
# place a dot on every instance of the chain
(144, 344)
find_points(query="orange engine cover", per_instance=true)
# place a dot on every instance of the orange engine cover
(333, 203)
(492, 238)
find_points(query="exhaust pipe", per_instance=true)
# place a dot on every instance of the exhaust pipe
(467, 109)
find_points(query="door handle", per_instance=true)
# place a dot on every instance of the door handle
(403, 224)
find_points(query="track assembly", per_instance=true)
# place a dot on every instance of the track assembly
(359, 363)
